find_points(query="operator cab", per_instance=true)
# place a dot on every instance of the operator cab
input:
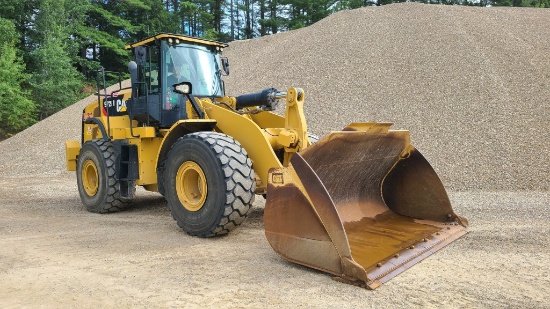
(164, 61)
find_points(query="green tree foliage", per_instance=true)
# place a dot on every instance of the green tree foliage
(21, 13)
(55, 83)
(306, 12)
(107, 29)
(536, 3)
(16, 109)
(270, 19)
(349, 4)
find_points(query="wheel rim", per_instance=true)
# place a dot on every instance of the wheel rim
(90, 177)
(191, 186)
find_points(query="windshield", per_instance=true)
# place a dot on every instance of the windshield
(195, 64)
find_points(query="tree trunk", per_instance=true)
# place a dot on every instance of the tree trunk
(273, 16)
(231, 21)
(248, 20)
(263, 25)
(217, 12)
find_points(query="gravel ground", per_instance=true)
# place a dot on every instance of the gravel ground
(55, 254)
(472, 86)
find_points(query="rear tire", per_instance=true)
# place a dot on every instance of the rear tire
(209, 183)
(95, 176)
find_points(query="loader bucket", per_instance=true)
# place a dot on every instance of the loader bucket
(362, 204)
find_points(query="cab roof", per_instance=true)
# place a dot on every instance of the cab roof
(183, 38)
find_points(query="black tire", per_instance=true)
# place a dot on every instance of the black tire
(219, 188)
(100, 192)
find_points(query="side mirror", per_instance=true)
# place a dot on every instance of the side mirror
(186, 89)
(225, 65)
(183, 88)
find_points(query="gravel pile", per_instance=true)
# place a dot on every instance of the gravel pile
(40, 149)
(471, 84)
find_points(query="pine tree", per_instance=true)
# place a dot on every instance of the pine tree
(16, 109)
(55, 83)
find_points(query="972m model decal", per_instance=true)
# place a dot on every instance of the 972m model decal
(114, 105)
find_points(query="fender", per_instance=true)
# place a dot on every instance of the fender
(179, 129)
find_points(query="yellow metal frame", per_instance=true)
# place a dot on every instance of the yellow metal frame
(72, 149)
(179, 37)
(255, 134)
(259, 133)
(248, 134)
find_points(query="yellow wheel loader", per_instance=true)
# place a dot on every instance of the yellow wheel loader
(361, 203)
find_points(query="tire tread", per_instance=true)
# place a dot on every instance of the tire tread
(112, 201)
(239, 180)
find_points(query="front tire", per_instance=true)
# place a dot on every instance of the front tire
(95, 175)
(209, 183)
